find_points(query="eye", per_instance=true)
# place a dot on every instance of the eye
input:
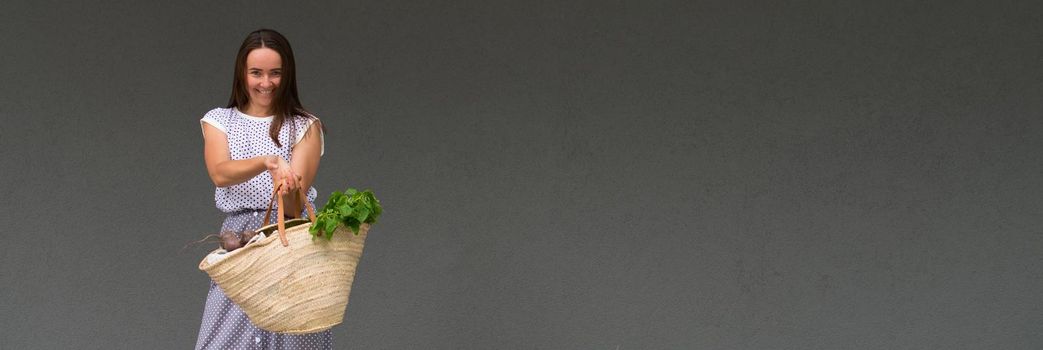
(276, 73)
(255, 73)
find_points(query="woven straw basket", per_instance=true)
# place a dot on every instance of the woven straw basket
(299, 286)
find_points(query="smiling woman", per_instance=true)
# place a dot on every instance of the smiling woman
(263, 138)
(263, 74)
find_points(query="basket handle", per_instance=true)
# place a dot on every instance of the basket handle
(281, 212)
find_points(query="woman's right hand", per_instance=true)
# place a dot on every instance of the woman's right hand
(282, 174)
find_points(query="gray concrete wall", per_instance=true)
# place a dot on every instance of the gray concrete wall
(589, 175)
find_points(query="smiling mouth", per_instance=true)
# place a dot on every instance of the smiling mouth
(265, 92)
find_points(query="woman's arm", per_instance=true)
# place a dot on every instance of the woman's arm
(226, 172)
(305, 163)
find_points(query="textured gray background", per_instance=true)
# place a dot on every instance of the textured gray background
(595, 175)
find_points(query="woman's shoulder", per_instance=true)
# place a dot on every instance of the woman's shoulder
(219, 113)
(305, 116)
(304, 122)
(218, 117)
(305, 119)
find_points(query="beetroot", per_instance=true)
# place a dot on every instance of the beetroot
(229, 241)
(245, 237)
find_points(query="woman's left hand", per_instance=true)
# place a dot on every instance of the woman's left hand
(282, 175)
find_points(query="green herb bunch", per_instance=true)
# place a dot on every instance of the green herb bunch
(351, 208)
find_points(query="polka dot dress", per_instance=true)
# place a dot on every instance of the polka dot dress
(248, 138)
(224, 324)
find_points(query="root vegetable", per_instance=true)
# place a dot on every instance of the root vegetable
(229, 241)
(245, 237)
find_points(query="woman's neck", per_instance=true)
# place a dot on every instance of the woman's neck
(251, 109)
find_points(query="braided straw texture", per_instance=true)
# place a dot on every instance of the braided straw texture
(302, 288)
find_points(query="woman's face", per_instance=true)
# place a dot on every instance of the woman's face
(263, 73)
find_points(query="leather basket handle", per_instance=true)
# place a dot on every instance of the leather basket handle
(282, 215)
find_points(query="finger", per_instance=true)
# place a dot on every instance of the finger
(290, 179)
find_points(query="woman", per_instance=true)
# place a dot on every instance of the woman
(264, 138)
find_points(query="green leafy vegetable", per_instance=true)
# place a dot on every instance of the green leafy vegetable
(351, 209)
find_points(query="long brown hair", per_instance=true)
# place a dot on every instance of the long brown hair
(286, 104)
